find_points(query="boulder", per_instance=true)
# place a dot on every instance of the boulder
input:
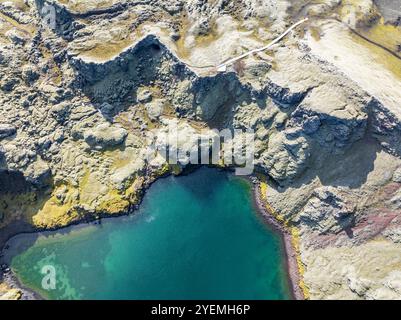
(38, 173)
(104, 136)
(16, 36)
(7, 130)
(328, 210)
(286, 158)
(144, 95)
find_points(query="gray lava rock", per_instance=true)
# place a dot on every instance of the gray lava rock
(105, 136)
(61, 112)
(7, 130)
(311, 124)
(328, 209)
(29, 74)
(144, 96)
(397, 175)
(16, 37)
(342, 132)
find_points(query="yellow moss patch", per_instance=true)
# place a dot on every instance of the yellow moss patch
(61, 209)
(57, 211)
(113, 203)
(118, 42)
(7, 23)
(263, 190)
(132, 193)
(387, 35)
(106, 51)
(119, 158)
(175, 169)
(84, 6)
(120, 161)
(26, 28)
(165, 169)
(90, 188)
(200, 41)
(19, 4)
(182, 51)
(221, 163)
(315, 33)
(381, 56)
(295, 237)
(301, 268)
(208, 39)
(263, 193)
(6, 293)
(116, 202)
(356, 7)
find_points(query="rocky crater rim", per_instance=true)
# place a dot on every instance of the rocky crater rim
(324, 112)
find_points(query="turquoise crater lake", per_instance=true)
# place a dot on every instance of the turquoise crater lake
(194, 237)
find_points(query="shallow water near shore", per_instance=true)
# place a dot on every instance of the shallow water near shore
(194, 237)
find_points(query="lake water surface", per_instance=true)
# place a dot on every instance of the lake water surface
(194, 237)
